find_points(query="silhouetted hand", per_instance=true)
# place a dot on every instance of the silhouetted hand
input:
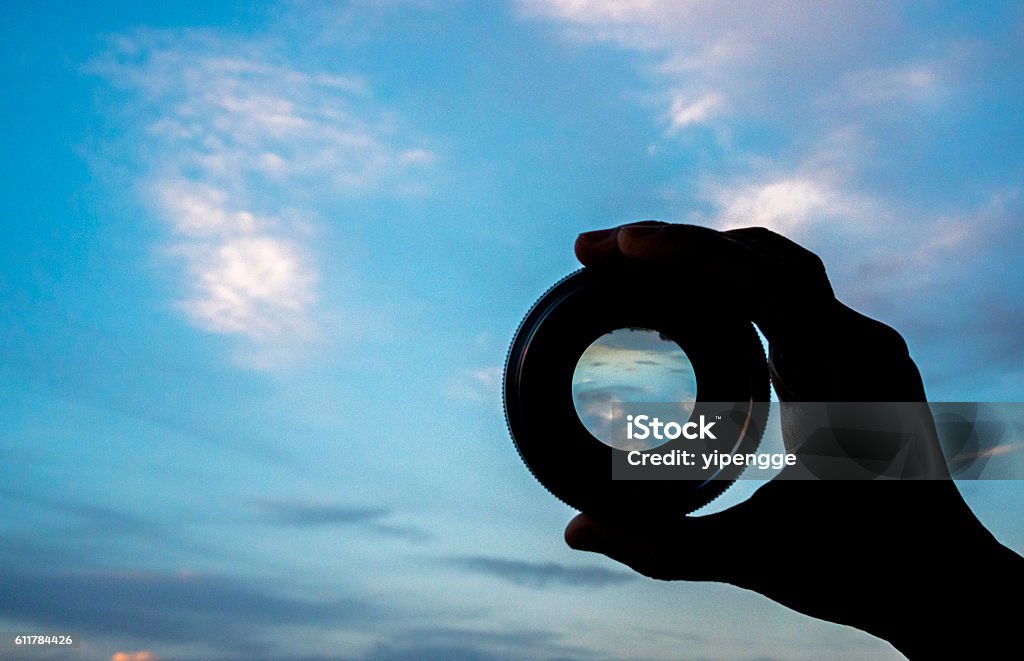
(904, 560)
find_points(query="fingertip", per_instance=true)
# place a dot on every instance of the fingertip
(602, 246)
(583, 533)
(593, 246)
(640, 241)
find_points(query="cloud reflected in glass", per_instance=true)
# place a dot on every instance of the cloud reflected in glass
(624, 369)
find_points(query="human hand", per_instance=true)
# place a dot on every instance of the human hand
(883, 556)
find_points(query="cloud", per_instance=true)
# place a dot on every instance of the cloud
(256, 286)
(685, 111)
(782, 205)
(598, 407)
(443, 643)
(481, 384)
(86, 516)
(179, 607)
(85, 530)
(225, 131)
(599, 404)
(964, 323)
(796, 202)
(933, 276)
(905, 83)
(243, 279)
(623, 373)
(714, 54)
(315, 515)
(543, 574)
(304, 514)
(857, 131)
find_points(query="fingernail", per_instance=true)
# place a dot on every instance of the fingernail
(595, 236)
(641, 231)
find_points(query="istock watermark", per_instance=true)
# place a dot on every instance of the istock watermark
(703, 441)
(652, 427)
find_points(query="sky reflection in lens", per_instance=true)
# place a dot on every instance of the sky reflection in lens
(626, 367)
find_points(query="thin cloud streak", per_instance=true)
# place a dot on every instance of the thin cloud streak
(543, 574)
(375, 520)
(163, 607)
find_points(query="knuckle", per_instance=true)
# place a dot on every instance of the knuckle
(888, 340)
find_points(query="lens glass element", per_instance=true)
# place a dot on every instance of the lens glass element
(624, 369)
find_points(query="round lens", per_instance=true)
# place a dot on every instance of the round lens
(578, 350)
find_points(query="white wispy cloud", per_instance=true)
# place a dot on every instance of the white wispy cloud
(257, 286)
(828, 118)
(782, 205)
(818, 193)
(685, 111)
(479, 385)
(237, 144)
(775, 57)
(820, 77)
(904, 83)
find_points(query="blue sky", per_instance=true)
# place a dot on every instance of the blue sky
(261, 264)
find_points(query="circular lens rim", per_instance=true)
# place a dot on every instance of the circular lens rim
(726, 353)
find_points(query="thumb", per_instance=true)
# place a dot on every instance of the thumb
(689, 548)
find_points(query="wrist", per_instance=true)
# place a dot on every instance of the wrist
(959, 609)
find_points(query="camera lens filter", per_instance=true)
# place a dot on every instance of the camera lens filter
(600, 476)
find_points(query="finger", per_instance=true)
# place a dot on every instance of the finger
(597, 246)
(820, 350)
(844, 356)
(775, 282)
(800, 293)
(748, 258)
(680, 245)
(693, 548)
(601, 246)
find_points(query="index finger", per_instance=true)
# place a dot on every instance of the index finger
(780, 285)
(601, 246)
